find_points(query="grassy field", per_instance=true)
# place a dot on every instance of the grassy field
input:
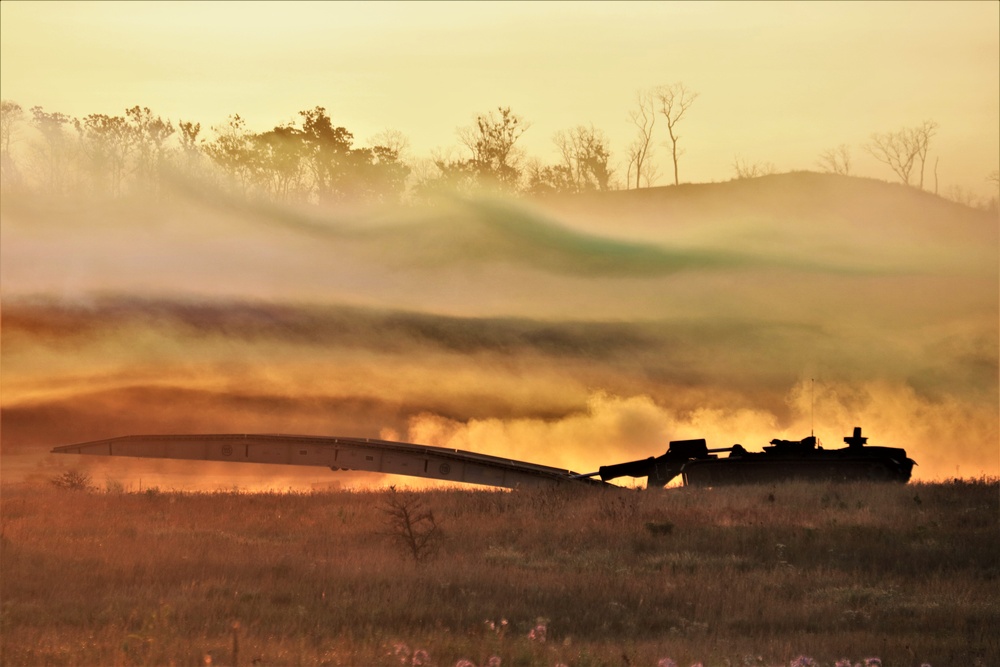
(741, 576)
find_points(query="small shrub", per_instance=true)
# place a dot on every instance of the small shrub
(412, 525)
(75, 480)
(659, 527)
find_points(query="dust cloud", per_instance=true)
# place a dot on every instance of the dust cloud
(573, 331)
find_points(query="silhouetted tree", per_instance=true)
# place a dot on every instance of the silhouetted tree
(446, 173)
(233, 150)
(412, 525)
(188, 137)
(993, 203)
(151, 136)
(75, 480)
(640, 151)
(585, 154)
(495, 159)
(673, 101)
(543, 180)
(836, 160)
(386, 174)
(54, 152)
(744, 169)
(280, 156)
(107, 142)
(328, 154)
(903, 149)
(344, 173)
(11, 115)
(920, 137)
(389, 148)
(964, 196)
(968, 197)
(393, 140)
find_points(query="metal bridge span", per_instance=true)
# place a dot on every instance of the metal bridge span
(382, 456)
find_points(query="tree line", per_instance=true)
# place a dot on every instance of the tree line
(312, 159)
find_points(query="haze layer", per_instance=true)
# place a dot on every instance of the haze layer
(574, 331)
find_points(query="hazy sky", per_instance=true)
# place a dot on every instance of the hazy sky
(778, 82)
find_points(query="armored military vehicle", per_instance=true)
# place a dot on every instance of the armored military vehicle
(782, 460)
(692, 460)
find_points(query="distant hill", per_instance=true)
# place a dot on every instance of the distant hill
(799, 198)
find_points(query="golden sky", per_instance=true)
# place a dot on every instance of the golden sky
(778, 82)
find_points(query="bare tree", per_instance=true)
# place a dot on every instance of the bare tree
(836, 160)
(412, 525)
(744, 169)
(495, 159)
(640, 151)
(920, 138)
(964, 196)
(393, 140)
(673, 101)
(890, 149)
(901, 150)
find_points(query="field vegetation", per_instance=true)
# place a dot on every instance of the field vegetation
(772, 575)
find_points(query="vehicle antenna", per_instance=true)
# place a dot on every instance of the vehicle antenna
(812, 407)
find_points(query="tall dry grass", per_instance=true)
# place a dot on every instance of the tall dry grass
(738, 576)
